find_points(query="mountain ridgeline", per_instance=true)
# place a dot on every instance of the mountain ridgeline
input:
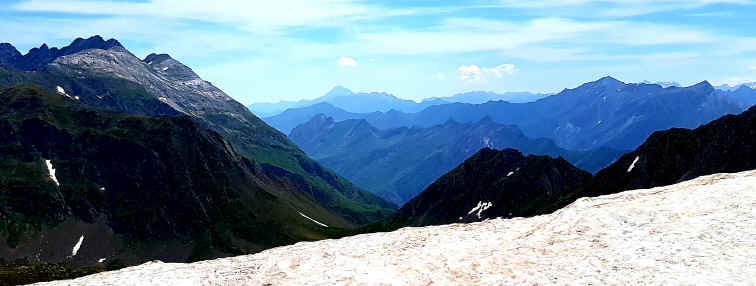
(146, 160)
(496, 183)
(604, 113)
(397, 164)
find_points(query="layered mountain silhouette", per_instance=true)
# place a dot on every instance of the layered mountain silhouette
(397, 164)
(479, 97)
(498, 184)
(603, 113)
(193, 173)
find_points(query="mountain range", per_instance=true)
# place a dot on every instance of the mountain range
(367, 102)
(192, 173)
(343, 98)
(397, 164)
(603, 113)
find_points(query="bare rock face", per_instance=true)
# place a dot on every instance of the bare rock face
(698, 232)
(168, 80)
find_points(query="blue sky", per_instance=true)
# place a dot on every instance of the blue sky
(264, 51)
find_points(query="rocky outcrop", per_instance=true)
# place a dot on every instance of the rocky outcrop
(697, 232)
(38, 58)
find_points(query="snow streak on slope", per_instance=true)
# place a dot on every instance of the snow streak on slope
(51, 171)
(701, 232)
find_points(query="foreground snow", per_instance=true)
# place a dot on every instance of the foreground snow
(700, 232)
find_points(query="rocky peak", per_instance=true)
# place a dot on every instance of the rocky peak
(38, 58)
(8, 54)
(609, 81)
(704, 87)
(94, 42)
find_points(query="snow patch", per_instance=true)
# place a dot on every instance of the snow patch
(315, 221)
(163, 99)
(101, 260)
(165, 68)
(510, 174)
(482, 206)
(77, 246)
(487, 142)
(51, 172)
(62, 91)
(632, 166)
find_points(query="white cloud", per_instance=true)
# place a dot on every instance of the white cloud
(752, 68)
(474, 73)
(346, 62)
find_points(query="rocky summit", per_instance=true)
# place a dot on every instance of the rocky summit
(701, 232)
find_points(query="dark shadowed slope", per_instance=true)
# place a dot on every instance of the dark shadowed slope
(726, 145)
(493, 184)
(136, 188)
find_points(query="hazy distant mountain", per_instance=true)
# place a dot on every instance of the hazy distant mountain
(727, 87)
(478, 97)
(603, 113)
(397, 164)
(744, 95)
(360, 102)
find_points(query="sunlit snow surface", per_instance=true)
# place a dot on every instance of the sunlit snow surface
(701, 232)
(51, 171)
